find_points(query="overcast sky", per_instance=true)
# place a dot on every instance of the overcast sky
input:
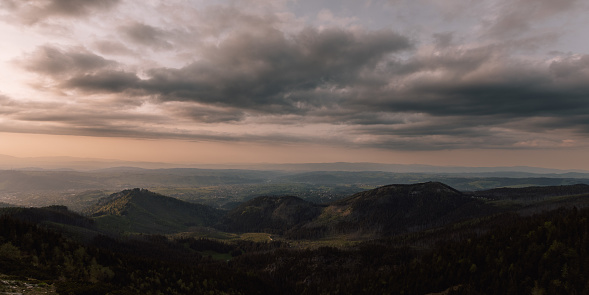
(443, 82)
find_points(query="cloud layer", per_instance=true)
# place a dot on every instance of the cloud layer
(295, 73)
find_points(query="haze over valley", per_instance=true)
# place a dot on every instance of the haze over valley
(224, 188)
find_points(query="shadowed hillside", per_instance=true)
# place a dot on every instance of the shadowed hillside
(533, 192)
(394, 209)
(51, 214)
(382, 211)
(271, 214)
(142, 211)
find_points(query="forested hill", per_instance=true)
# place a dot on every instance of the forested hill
(271, 214)
(545, 253)
(379, 212)
(534, 192)
(397, 239)
(395, 209)
(50, 215)
(142, 211)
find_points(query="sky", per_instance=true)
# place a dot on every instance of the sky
(439, 82)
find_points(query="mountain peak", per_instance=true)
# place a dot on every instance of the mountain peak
(117, 203)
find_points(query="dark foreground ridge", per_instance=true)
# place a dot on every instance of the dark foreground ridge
(506, 254)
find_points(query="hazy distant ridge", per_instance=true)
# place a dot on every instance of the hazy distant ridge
(60, 163)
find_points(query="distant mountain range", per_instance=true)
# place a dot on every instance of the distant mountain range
(226, 188)
(84, 164)
(405, 168)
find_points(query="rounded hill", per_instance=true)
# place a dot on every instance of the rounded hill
(142, 211)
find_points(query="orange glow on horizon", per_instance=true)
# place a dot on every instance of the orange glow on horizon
(190, 152)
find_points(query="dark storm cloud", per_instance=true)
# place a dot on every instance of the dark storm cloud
(204, 114)
(76, 7)
(574, 68)
(76, 119)
(264, 70)
(352, 79)
(513, 91)
(375, 88)
(103, 121)
(353, 117)
(122, 131)
(452, 60)
(437, 143)
(140, 132)
(33, 11)
(52, 61)
(108, 81)
(78, 116)
(78, 68)
(468, 98)
(267, 71)
(483, 81)
(460, 132)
